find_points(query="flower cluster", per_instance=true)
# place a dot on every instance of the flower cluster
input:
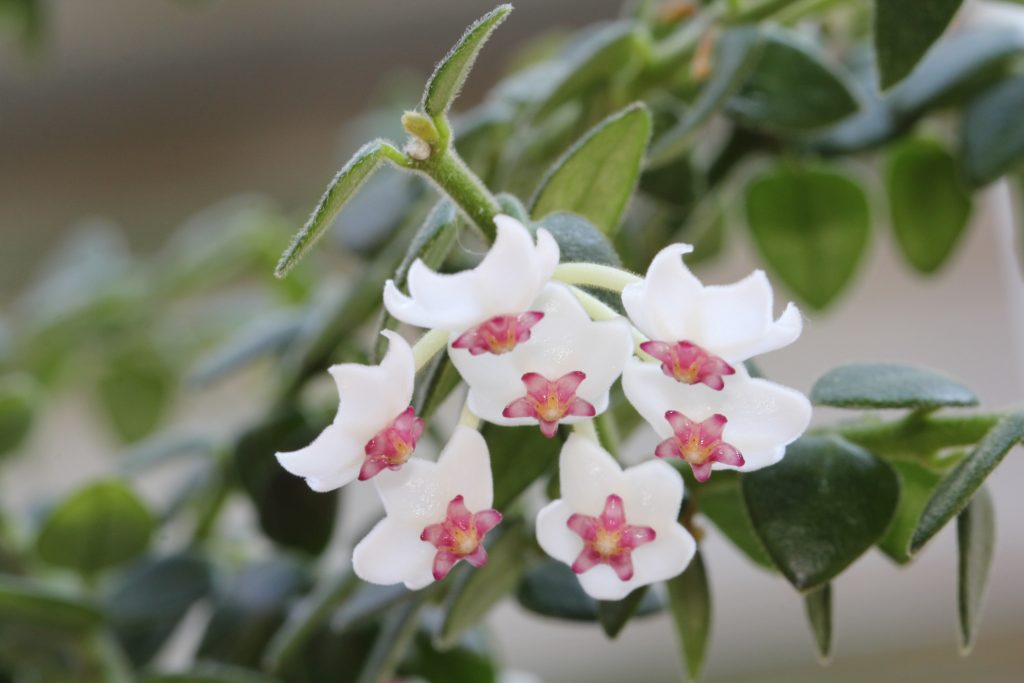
(534, 350)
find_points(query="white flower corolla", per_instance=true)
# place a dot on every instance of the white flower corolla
(437, 514)
(562, 376)
(375, 427)
(488, 305)
(699, 333)
(745, 426)
(618, 530)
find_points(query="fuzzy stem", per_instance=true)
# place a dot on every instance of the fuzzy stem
(916, 434)
(595, 275)
(587, 429)
(446, 168)
(428, 346)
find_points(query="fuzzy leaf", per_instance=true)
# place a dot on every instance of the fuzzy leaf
(955, 492)
(818, 605)
(904, 33)
(820, 508)
(993, 132)
(721, 501)
(451, 72)
(597, 176)
(976, 537)
(690, 602)
(811, 226)
(929, 203)
(889, 385)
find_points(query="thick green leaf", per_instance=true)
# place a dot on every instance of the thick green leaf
(889, 385)
(100, 526)
(993, 132)
(248, 612)
(467, 661)
(290, 514)
(345, 184)
(928, 202)
(579, 241)
(955, 492)
(791, 88)
(598, 174)
(150, 599)
(976, 538)
(818, 605)
(477, 591)
(397, 633)
(917, 482)
(690, 602)
(721, 501)
(211, 673)
(30, 603)
(904, 32)
(820, 508)
(135, 389)
(518, 457)
(451, 72)
(19, 397)
(613, 615)
(811, 226)
(551, 589)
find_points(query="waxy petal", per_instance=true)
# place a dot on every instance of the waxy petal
(393, 553)
(330, 462)
(505, 282)
(370, 396)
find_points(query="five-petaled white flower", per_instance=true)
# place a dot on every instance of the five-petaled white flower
(486, 309)
(561, 376)
(375, 428)
(701, 333)
(745, 427)
(618, 530)
(437, 514)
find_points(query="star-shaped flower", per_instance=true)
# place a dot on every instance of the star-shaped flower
(745, 426)
(437, 515)
(701, 333)
(617, 529)
(375, 427)
(561, 377)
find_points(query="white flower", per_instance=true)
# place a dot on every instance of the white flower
(617, 529)
(698, 332)
(437, 515)
(499, 290)
(375, 427)
(745, 426)
(562, 376)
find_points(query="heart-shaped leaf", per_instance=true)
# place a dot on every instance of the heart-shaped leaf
(598, 174)
(518, 457)
(811, 226)
(889, 385)
(993, 132)
(818, 605)
(613, 615)
(929, 203)
(976, 537)
(903, 34)
(690, 601)
(135, 389)
(820, 508)
(721, 501)
(551, 589)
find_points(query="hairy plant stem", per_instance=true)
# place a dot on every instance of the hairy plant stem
(595, 275)
(428, 346)
(916, 435)
(451, 174)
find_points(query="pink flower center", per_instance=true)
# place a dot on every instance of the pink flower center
(550, 402)
(393, 445)
(608, 539)
(499, 335)
(698, 443)
(460, 536)
(688, 363)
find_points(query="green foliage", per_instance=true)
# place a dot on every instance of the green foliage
(903, 34)
(975, 536)
(889, 385)
(30, 604)
(818, 605)
(19, 398)
(993, 134)
(550, 589)
(135, 390)
(917, 483)
(690, 603)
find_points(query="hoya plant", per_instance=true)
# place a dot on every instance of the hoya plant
(550, 406)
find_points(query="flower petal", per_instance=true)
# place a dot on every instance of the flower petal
(370, 396)
(665, 304)
(653, 494)
(465, 468)
(554, 535)
(588, 475)
(393, 553)
(330, 462)
(737, 319)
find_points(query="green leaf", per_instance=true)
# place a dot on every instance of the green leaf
(551, 589)
(135, 389)
(598, 174)
(465, 662)
(579, 241)
(690, 602)
(613, 615)
(518, 457)
(451, 72)
(811, 226)
(954, 493)
(917, 483)
(100, 526)
(397, 633)
(211, 673)
(818, 605)
(976, 537)
(928, 202)
(477, 591)
(28, 602)
(250, 610)
(820, 508)
(19, 398)
(721, 501)
(791, 88)
(345, 184)
(993, 132)
(904, 33)
(290, 514)
(265, 336)
(151, 598)
(889, 385)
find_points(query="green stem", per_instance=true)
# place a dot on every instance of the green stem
(595, 275)
(211, 511)
(759, 11)
(428, 346)
(446, 168)
(917, 434)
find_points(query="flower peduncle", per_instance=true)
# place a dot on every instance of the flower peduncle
(428, 346)
(599, 310)
(587, 429)
(595, 275)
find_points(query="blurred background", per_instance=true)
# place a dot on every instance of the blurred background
(128, 118)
